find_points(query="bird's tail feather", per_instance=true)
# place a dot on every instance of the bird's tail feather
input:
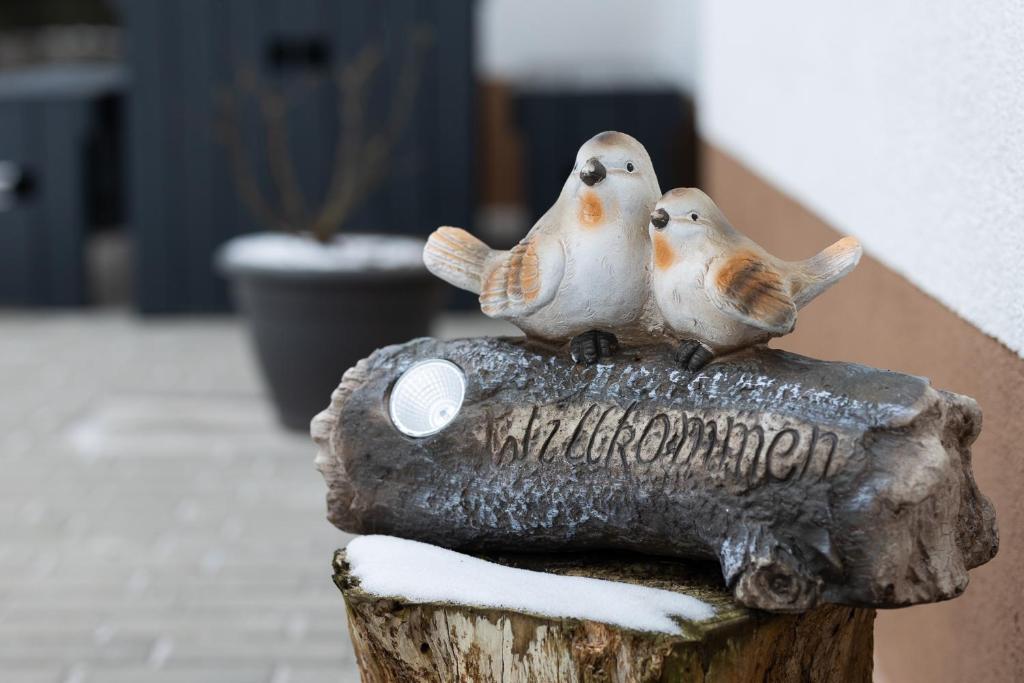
(457, 257)
(820, 272)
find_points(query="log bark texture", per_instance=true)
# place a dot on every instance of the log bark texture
(808, 481)
(397, 640)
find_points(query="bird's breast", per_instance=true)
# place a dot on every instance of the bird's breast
(591, 210)
(664, 253)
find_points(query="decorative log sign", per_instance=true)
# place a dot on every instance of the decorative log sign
(808, 481)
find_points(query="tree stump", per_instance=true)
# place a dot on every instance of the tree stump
(401, 639)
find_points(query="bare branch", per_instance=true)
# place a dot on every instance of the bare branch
(246, 182)
(360, 159)
(360, 169)
(282, 168)
(274, 112)
(352, 81)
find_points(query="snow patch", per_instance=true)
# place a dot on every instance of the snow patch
(344, 253)
(418, 572)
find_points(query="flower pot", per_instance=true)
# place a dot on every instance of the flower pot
(314, 310)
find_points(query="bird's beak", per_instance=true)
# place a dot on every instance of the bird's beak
(593, 172)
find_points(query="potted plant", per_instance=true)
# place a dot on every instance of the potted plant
(316, 299)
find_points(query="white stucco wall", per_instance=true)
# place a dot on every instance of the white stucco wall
(901, 122)
(619, 43)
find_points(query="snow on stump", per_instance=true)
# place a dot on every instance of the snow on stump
(418, 612)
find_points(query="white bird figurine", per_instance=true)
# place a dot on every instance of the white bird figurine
(582, 273)
(719, 291)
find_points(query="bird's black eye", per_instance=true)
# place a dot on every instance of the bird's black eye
(694, 217)
(659, 218)
(630, 167)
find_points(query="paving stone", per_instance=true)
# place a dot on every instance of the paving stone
(155, 523)
(39, 673)
(209, 672)
(303, 674)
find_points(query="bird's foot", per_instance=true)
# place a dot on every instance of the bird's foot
(590, 347)
(693, 355)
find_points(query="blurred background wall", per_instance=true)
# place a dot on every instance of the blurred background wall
(899, 123)
(580, 43)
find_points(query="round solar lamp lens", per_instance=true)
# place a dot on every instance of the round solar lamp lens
(427, 397)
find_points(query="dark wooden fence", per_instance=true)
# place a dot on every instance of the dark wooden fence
(186, 57)
(58, 134)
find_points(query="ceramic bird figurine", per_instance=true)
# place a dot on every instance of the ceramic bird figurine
(717, 290)
(582, 272)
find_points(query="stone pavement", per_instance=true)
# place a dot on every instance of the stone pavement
(155, 524)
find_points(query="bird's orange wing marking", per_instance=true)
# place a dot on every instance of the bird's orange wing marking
(493, 295)
(524, 270)
(756, 291)
(515, 280)
(459, 246)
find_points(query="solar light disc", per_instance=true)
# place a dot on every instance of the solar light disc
(427, 397)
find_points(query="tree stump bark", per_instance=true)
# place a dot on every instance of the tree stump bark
(401, 640)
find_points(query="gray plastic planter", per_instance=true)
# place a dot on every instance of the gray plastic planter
(311, 324)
